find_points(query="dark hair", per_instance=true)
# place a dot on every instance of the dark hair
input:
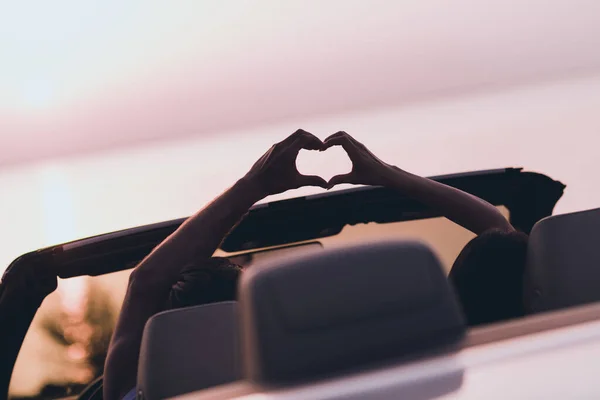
(488, 276)
(210, 282)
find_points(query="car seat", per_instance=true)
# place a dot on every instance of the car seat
(330, 311)
(189, 349)
(563, 262)
(322, 316)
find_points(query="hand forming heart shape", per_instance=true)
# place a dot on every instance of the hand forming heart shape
(367, 169)
(276, 171)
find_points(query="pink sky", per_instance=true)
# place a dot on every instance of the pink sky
(86, 77)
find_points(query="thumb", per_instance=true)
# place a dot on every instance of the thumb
(338, 179)
(312, 180)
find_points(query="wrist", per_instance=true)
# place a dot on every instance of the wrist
(392, 176)
(251, 188)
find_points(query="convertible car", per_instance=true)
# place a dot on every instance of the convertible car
(399, 335)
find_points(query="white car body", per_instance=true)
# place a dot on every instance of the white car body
(548, 356)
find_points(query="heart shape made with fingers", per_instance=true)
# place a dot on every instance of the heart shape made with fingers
(326, 164)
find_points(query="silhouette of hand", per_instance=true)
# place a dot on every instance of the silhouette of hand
(367, 169)
(276, 172)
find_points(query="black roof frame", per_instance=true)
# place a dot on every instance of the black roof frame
(528, 196)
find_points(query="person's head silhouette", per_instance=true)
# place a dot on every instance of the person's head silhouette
(488, 276)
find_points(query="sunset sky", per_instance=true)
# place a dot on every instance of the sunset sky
(108, 105)
(102, 74)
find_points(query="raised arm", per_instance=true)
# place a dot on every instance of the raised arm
(196, 239)
(467, 210)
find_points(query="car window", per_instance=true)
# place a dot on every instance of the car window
(441, 234)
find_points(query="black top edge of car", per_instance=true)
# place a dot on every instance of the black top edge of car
(528, 196)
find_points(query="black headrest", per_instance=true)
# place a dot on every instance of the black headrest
(189, 349)
(563, 263)
(338, 309)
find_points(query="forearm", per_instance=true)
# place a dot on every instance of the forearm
(195, 241)
(198, 238)
(151, 281)
(469, 211)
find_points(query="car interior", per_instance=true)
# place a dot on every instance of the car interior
(378, 299)
(558, 301)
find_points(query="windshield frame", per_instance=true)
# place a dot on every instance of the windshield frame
(528, 196)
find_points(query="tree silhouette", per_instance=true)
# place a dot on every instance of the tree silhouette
(86, 337)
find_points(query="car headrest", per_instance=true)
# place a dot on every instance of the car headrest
(189, 349)
(338, 309)
(563, 261)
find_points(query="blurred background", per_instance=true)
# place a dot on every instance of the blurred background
(115, 114)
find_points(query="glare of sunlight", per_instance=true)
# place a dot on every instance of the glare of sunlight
(73, 295)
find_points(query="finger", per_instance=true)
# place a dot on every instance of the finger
(312, 180)
(337, 135)
(347, 136)
(333, 140)
(292, 138)
(339, 179)
(356, 142)
(308, 139)
(343, 141)
(337, 141)
(308, 142)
